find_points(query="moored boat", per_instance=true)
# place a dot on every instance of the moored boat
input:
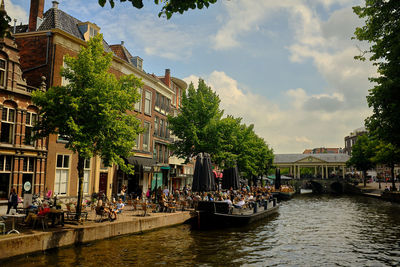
(217, 214)
(305, 191)
(286, 195)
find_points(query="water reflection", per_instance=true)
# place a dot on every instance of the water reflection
(307, 231)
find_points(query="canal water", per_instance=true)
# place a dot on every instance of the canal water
(307, 231)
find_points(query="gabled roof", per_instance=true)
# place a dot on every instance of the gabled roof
(291, 158)
(55, 18)
(121, 52)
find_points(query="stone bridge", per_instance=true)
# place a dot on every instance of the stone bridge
(335, 186)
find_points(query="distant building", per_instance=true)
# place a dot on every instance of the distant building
(323, 150)
(351, 139)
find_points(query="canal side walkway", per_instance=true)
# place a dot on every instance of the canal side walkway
(129, 222)
(373, 190)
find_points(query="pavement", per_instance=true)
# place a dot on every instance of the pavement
(374, 187)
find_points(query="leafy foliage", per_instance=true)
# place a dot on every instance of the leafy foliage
(388, 154)
(381, 30)
(4, 23)
(91, 109)
(169, 7)
(196, 125)
(362, 154)
(230, 143)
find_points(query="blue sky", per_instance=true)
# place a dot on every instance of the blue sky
(286, 66)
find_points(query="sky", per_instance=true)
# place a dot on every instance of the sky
(285, 66)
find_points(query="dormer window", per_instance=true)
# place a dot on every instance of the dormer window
(88, 30)
(93, 32)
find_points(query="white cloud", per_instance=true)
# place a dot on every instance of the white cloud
(288, 130)
(16, 12)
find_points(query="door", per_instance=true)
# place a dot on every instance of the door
(103, 183)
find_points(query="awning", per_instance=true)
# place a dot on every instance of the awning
(140, 161)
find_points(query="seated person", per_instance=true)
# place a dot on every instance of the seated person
(240, 204)
(120, 206)
(43, 210)
(227, 200)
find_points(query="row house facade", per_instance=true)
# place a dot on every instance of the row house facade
(22, 160)
(43, 44)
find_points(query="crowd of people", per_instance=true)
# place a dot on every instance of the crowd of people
(246, 196)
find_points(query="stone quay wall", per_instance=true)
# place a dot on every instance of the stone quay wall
(15, 245)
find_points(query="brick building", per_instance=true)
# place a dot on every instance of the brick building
(22, 161)
(43, 43)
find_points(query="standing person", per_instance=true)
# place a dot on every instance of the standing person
(123, 192)
(166, 191)
(148, 194)
(12, 200)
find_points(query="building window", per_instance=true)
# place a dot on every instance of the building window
(165, 155)
(167, 134)
(62, 174)
(2, 72)
(163, 101)
(157, 106)
(64, 81)
(7, 125)
(156, 126)
(92, 32)
(168, 107)
(147, 103)
(5, 176)
(28, 164)
(146, 136)
(137, 142)
(162, 128)
(86, 176)
(174, 96)
(138, 105)
(160, 154)
(29, 123)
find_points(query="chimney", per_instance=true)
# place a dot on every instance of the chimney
(36, 11)
(168, 77)
(55, 4)
(122, 42)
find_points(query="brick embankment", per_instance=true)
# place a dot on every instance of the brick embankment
(32, 241)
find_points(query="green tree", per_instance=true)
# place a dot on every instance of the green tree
(362, 154)
(381, 30)
(92, 110)
(4, 21)
(389, 155)
(169, 7)
(196, 124)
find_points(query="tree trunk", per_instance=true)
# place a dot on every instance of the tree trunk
(81, 162)
(392, 173)
(365, 178)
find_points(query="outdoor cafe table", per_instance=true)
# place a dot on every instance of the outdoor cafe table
(14, 216)
(56, 214)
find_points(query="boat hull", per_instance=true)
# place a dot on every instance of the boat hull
(285, 195)
(207, 219)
